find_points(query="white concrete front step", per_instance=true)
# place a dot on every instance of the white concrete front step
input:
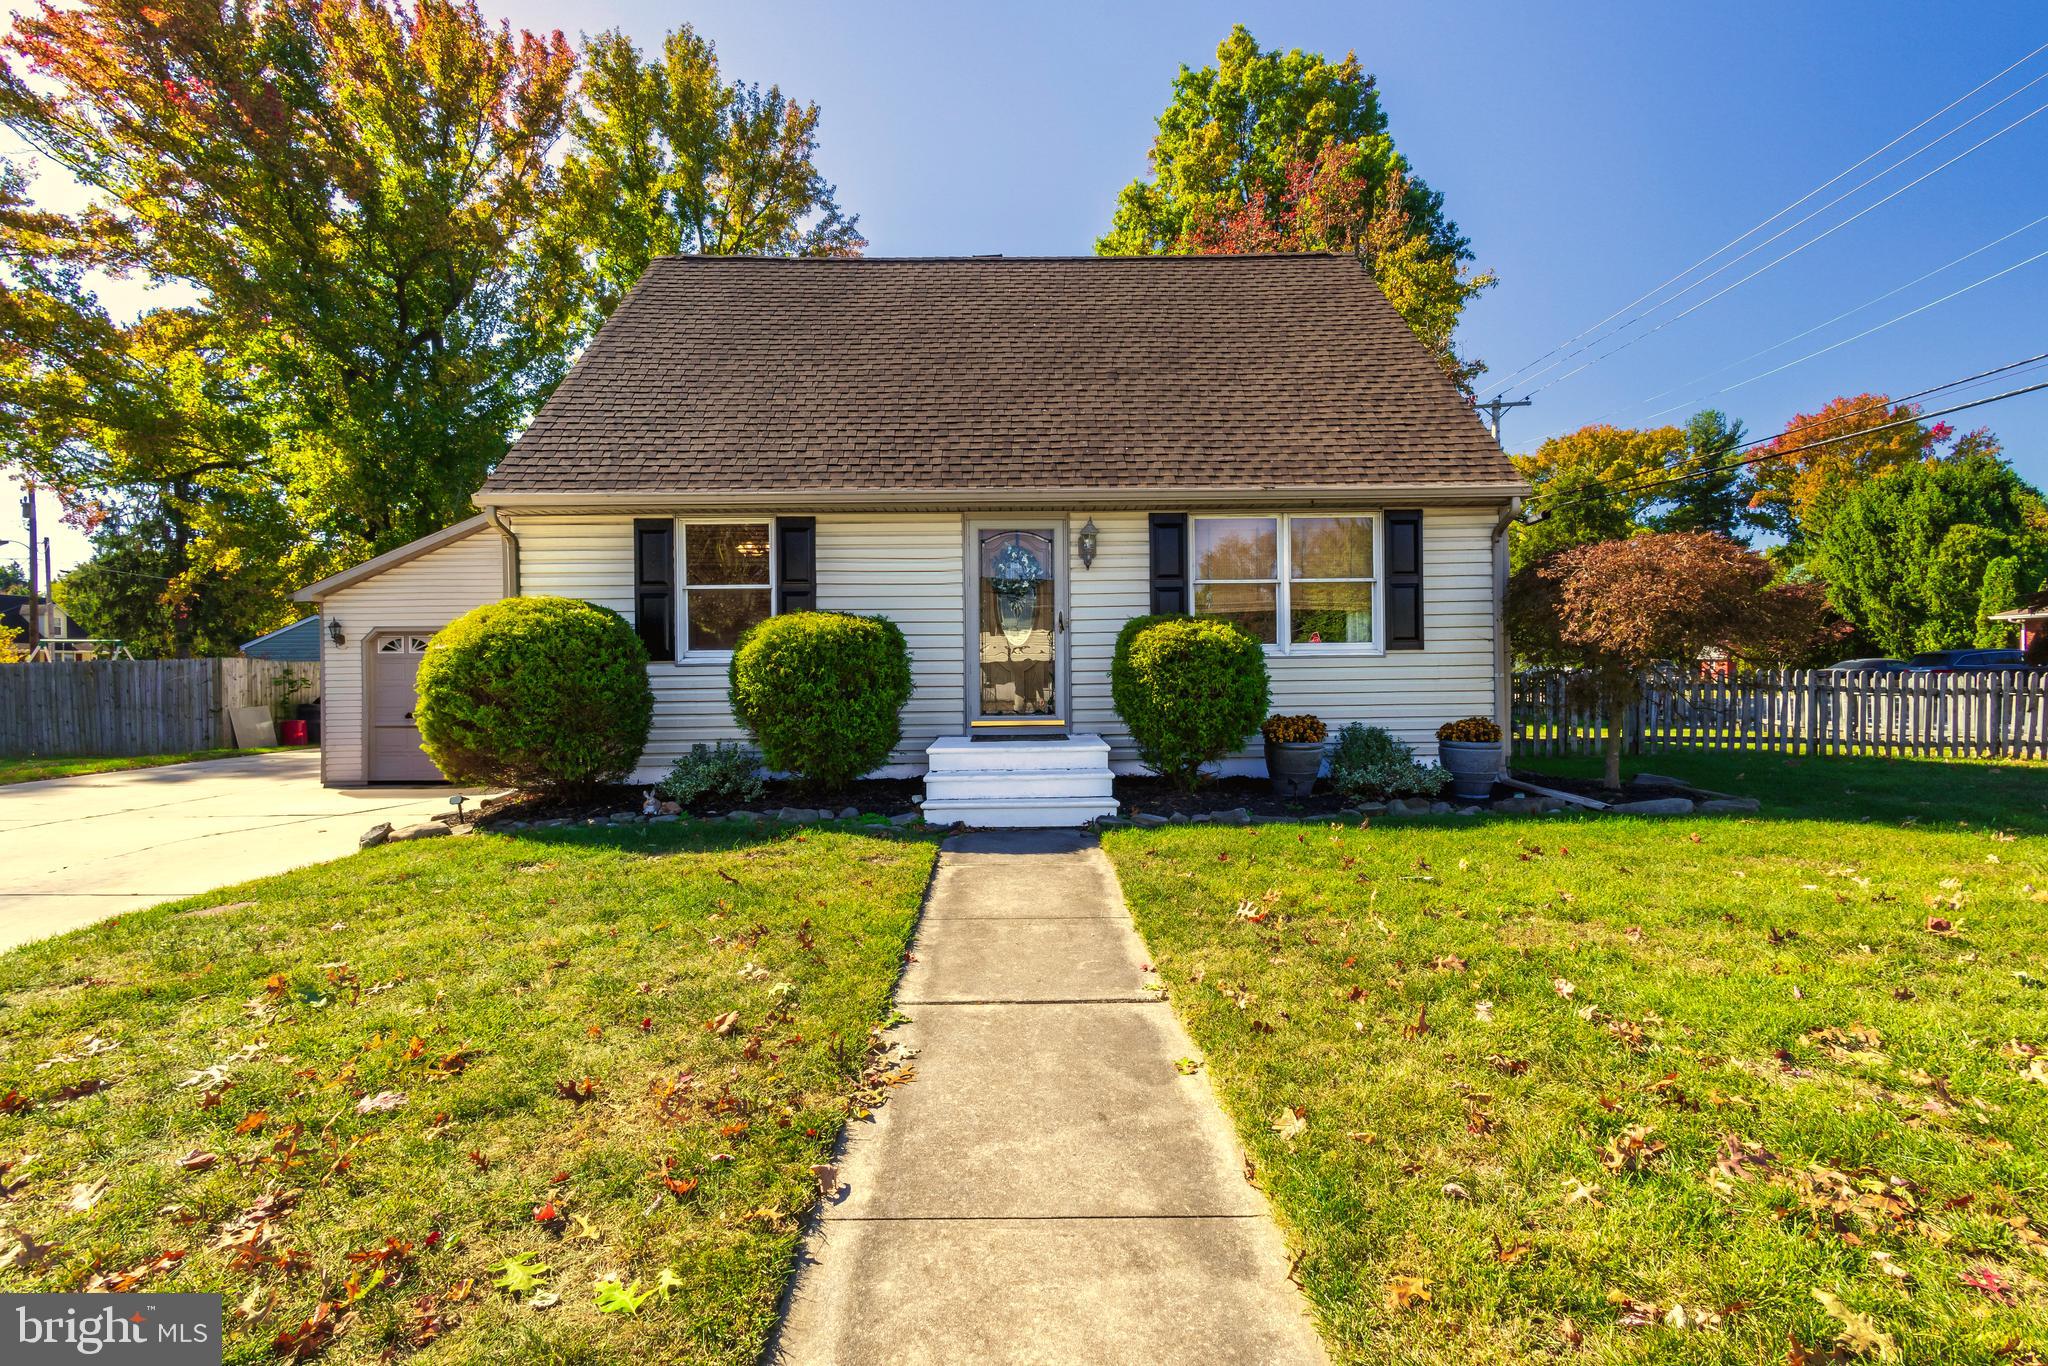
(1017, 783)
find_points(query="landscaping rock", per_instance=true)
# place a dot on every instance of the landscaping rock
(425, 830)
(1730, 806)
(551, 823)
(624, 818)
(1236, 815)
(905, 818)
(1655, 806)
(1408, 806)
(375, 836)
(1654, 780)
(1110, 822)
(796, 815)
(1440, 808)
(1468, 810)
(1148, 818)
(849, 813)
(1179, 818)
(1203, 818)
(665, 818)
(1372, 808)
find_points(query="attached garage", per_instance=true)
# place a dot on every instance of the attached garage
(377, 619)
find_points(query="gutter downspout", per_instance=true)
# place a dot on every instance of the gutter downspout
(1503, 687)
(511, 551)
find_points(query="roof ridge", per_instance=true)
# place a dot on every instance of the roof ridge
(705, 259)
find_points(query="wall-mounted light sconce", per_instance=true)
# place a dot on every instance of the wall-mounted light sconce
(1086, 544)
(334, 631)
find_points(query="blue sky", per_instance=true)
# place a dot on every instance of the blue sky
(1589, 151)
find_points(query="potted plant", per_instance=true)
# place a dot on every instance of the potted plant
(1470, 749)
(1294, 753)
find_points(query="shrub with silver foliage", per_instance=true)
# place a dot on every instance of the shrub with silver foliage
(711, 774)
(1369, 764)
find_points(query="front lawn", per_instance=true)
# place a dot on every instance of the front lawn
(1613, 1089)
(36, 768)
(350, 1098)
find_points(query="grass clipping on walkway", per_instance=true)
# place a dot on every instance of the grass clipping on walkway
(1607, 1089)
(35, 770)
(552, 1097)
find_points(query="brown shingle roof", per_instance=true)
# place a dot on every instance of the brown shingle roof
(733, 375)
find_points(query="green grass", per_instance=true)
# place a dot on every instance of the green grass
(1718, 972)
(476, 978)
(35, 769)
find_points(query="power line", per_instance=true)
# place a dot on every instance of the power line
(2030, 362)
(1845, 313)
(1856, 337)
(1821, 236)
(1504, 385)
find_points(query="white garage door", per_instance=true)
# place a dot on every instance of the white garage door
(395, 753)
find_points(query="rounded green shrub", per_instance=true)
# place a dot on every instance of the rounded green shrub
(541, 694)
(1190, 690)
(821, 693)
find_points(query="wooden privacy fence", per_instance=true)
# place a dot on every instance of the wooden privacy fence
(1797, 711)
(139, 706)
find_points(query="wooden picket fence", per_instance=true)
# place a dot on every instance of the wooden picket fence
(1797, 711)
(139, 706)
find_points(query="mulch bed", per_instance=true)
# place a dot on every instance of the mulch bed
(880, 796)
(1160, 798)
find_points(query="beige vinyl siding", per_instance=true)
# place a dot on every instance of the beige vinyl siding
(1410, 692)
(910, 568)
(422, 594)
(907, 567)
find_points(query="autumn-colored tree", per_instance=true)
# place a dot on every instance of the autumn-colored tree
(668, 157)
(1603, 483)
(350, 187)
(1617, 608)
(1273, 151)
(1798, 490)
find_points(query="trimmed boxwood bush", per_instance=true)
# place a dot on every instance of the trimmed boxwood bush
(1190, 689)
(541, 694)
(821, 693)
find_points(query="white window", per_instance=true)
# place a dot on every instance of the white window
(1299, 583)
(728, 583)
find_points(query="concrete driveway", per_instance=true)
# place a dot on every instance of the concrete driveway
(76, 850)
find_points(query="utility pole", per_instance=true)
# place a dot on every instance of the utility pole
(1494, 407)
(28, 514)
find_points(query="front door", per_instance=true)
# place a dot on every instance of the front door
(395, 753)
(1015, 624)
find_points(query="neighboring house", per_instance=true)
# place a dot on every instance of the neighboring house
(1009, 458)
(2031, 617)
(49, 616)
(298, 641)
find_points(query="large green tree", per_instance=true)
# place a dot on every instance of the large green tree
(1288, 151)
(351, 188)
(668, 157)
(1921, 555)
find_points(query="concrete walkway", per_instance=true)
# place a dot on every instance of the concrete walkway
(76, 850)
(1048, 1188)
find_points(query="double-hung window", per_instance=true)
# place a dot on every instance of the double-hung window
(728, 582)
(1299, 583)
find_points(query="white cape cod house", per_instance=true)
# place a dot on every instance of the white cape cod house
(1009, 458)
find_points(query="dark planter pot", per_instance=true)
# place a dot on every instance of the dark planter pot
(1472, 766)
(1293, 766)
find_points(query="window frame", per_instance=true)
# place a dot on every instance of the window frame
(684, 654)
(1283, 556)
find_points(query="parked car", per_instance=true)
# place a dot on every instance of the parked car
(1875, 665)
(1966, 661)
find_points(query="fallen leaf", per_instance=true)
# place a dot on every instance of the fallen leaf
(1986, 1280)
(1562, 987)
(197, 1161)
(1290, 1123)
(723, 1024)
(578, 1090)
(381, 1103)
(828, 1179)
(1859, 1335)
(1484, 1010)
(1406, 1292)
(85, 1195)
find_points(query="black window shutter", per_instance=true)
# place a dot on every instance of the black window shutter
(796, 564)
(1169, 562)
(1404, 580)
(654, 585)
